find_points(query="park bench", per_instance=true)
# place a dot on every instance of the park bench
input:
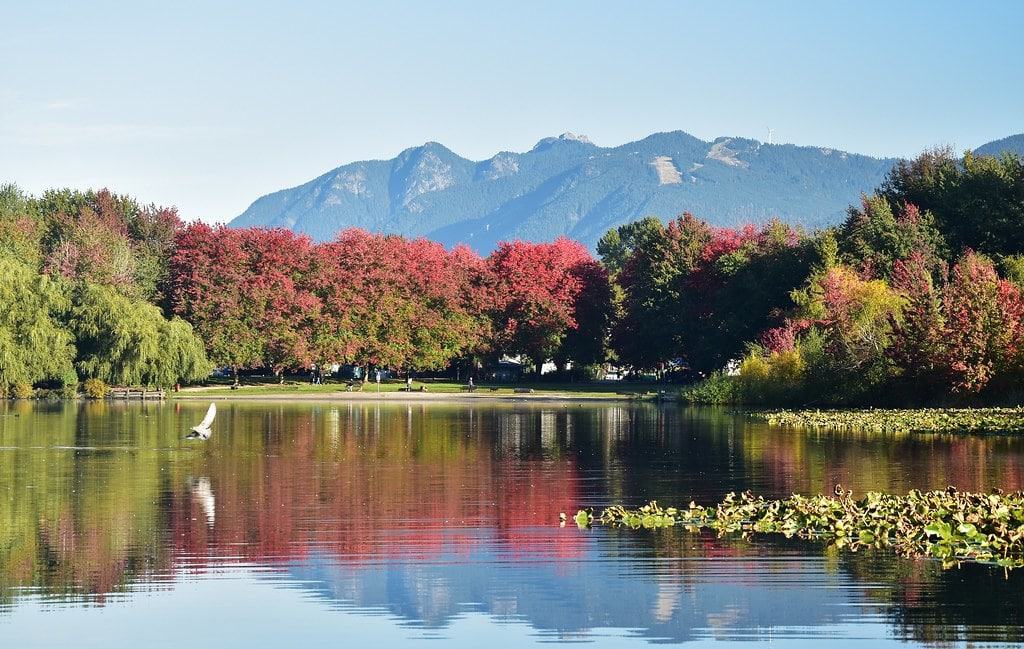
(469, 388)
(524, 390)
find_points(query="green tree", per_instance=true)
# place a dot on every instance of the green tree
(128, 342)
(182, 356)
(876, 236)
(106, 238)
(33, 344)
(978, 201)
(618, 244)
(1012, 268)
(846, 351)
(646, 334)
(920, 342)
(20, 232)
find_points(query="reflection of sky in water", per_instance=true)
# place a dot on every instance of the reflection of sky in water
(594, 590)
(599, 597)
(317, 525)
(243, 609)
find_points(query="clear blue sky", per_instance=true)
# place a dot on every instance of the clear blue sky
(209, 107)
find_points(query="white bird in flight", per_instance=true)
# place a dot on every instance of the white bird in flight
(202, 431)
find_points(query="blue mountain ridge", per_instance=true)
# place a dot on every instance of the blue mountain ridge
(1011, 144)
(567, 185)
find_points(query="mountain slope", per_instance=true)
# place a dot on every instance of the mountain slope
(1012, 144)
(567, 185)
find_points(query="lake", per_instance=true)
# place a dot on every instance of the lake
(328, 524)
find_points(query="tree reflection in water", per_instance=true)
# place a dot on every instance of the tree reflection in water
(431, 510)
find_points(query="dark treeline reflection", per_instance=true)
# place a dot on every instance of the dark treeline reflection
(430, 510)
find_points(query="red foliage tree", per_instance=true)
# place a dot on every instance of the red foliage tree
(983, 324)
(537, 288)
(783, 338)
(390, 301)
(919, 343)
(741, 287)
(587, 342)
(243, 292)
(275, 298)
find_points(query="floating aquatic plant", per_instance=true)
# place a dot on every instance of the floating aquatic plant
(948, 525)
(931, 420)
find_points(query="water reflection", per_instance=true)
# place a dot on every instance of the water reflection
(435, 515)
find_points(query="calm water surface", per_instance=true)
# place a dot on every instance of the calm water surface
(436, 524)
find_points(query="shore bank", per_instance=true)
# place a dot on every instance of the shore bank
(393, 396)
(422, 390)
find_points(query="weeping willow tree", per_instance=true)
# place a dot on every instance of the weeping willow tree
(74, 268)
(34, 346)
(182, 355)
(128, 342)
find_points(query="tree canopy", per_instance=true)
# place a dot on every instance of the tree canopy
(915, 295)
(81, 278)
(272, 298)
(34, 344)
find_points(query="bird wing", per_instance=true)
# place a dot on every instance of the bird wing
(208, 419)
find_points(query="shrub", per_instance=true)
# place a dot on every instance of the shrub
(717, 389)
(95, 388)
(68, 388)
(594, 372)
(22, 391)
(775, 378)
(753, 378)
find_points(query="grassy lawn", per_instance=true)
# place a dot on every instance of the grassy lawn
(252, 386)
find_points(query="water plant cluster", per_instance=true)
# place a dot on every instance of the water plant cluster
(925, 420)
(948, 525)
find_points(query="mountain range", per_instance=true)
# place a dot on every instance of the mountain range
(568, 185)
